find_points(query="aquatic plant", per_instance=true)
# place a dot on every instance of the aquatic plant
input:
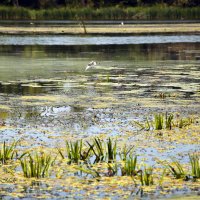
(146, 176)
(130, 165)
(88, 170)
(7, 152)
(159, 121)
(146, 126)
(98, 150)
(125, 152)
(195, 165)
(183, 122)
(169, 121)
(37, 165)
(176, 169)
(75, 151)
(111, 150)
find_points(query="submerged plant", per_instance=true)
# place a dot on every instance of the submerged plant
(7, 152)
(195, 164)
(36, 165)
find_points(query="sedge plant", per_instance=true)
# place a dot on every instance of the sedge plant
(37, 165)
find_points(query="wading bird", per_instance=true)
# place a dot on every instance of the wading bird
(90, 65)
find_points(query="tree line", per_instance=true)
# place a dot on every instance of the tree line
(39, 4)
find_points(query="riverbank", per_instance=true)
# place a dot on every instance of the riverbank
(136, 29)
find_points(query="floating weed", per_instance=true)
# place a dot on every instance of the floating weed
(130, 167)
(90, 171)
(146, 126)
(195, 165)
(7, 152)
(181, 123)
(37, 165)
(176, 169)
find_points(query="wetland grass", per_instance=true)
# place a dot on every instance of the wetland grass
(111, 150)
(75, 151)
(97, 149)
(37, 165)
(195, 165)
(176, 169)
(7, 152)
(164, 121)
(130, 166)
(159, 121)
(146, 176)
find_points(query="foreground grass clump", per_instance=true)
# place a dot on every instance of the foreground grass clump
(37, 165)
(157, 12)
(75, 152)
(7, 152)
(130, 166)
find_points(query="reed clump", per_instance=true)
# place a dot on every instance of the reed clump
(36, 165)
(7, 152)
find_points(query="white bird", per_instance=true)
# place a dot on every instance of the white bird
(90, 65)
(122, 23)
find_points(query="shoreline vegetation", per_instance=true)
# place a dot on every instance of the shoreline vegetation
(155, 12)
(136, 29)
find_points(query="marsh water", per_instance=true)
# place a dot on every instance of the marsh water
(47, 96)
(42, 83)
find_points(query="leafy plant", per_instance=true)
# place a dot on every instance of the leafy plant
(36, 165)
(195, 164)
(7, 152)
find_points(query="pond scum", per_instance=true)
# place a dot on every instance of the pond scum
(98, 159)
